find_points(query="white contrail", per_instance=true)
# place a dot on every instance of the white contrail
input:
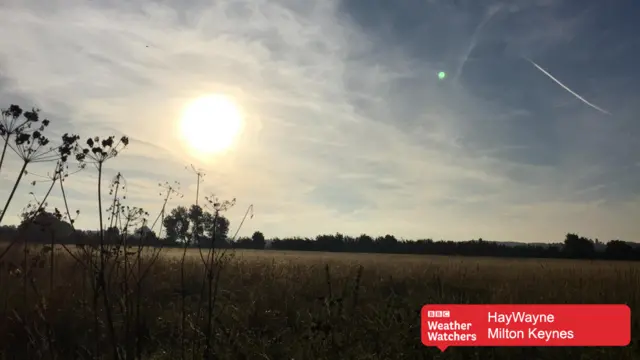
(567, 88)
(474, 39)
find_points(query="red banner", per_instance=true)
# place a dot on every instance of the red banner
(525, 325)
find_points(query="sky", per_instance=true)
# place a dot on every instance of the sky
(347, 127)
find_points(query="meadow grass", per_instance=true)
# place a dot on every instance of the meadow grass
(297, 305)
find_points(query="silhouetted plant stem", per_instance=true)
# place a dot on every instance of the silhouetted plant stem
(46, 195)
(52, 235)
(209, 273)
(25, 276)
(213, 280)
(102, 285)
(102, 259)
(138, 319)
(71, 222)
(249, 208)
(4, 152)
(13, 190)
(33, 215)
(51, 264)
(183, 314)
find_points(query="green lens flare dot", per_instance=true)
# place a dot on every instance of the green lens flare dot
(442, 75)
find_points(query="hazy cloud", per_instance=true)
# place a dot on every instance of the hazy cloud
(347, 127)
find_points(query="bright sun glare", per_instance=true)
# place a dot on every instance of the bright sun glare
(210, 124)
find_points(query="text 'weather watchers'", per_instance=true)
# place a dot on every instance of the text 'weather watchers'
(525, 325)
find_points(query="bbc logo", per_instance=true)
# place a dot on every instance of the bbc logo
(438, 313)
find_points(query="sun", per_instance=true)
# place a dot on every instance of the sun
(210, 124)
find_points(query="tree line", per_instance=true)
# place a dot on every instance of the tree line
(195, 226)
(573, 246)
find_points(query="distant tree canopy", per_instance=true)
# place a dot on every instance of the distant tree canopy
(49, 227)
(578, 246)
(574, 246)
(195, 226)
(44, 224)
(258, 240)
(620, 250)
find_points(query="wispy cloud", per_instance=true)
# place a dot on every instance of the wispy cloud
(568, 89)
(347, 127)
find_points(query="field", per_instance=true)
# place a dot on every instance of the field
(290, 305)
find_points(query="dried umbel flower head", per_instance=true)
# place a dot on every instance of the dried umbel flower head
(27, 140)
(15, 120)
(217, 205)
(98, 151)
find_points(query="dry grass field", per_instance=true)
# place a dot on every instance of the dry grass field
(289, 305)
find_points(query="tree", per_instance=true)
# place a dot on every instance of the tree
(618, 249)
(327, 242)
(195, 226)
(578, 246)
(365, 243)
(35, 226)
(176, 225)
(258, 240)
(214, 226)
(243, 243)
(198, 221)
(388, 243)
(112, 234)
